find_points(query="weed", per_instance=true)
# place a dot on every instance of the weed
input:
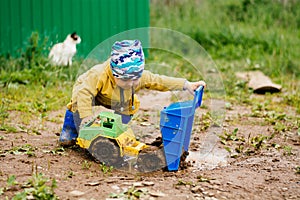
(228, 149)
(58, 151)
(37, 188)
(205, 121)
(24, 149)
(11, 181)
(70, 174)
(230, 136)
(106, 169)
(3, 110)
(287, 150)
(204, 179)
(86, 164)
(228, 106)
(280, 127)
(181, 182)
(273, 117)
(137, 193)
(297, 169)
(130, 193)
(237, 145)
(257, 141)
(8, 129)
(276, 146)
(293, 99)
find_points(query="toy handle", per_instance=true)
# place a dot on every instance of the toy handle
(198, 96)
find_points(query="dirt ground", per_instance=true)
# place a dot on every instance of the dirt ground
(266, 173)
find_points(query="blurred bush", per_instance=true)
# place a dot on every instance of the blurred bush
(251, 33)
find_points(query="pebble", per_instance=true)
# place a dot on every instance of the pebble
(210, 198)
(229, 183)
(138, 184)
(115, 187)
(197, 189)
(215, 182)
(157, 194)
(148, 183)
(76, 193)
(211, 194)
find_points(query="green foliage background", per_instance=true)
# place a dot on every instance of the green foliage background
(260, 34)
(241, 35)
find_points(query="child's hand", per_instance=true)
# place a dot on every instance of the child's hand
(192, 86)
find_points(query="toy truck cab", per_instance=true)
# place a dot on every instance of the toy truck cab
(108, 139)
(106, 124)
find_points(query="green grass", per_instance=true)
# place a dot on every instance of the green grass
(251, 33)
(31, 85)
(239, 35)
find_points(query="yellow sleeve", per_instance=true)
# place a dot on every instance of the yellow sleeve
(86, 94)
(161, 82)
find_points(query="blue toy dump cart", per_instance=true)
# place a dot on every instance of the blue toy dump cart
(176, 122)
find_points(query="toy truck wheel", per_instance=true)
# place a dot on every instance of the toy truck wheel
(151, 160)
(106, 151)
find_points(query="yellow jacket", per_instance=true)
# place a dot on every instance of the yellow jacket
(98, 87)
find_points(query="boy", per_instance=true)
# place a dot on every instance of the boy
(113, 84)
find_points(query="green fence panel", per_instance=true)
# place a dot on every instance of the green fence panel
(93, 20)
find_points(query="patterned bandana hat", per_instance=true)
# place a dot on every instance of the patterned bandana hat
(127, 59)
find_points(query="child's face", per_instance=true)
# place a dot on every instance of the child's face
(127, 84)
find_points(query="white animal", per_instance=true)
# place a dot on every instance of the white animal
(62, 53)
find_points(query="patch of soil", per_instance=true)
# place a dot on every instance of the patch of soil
(268, 173)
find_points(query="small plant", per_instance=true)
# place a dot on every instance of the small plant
(204, 179)
(24, 149)
(181, 182)
(280, 127)
(230, 137)
(297, 170)
(3, 110)
(257, 141)
(238, 145)
(130, 193)
(58, 151)
(70, 174)
(37, 188)
(287, 150)
(86, 164)
(205, 121)
(106, 169)
(8, 129)
(11, 182)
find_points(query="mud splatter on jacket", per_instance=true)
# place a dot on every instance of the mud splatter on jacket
(98, 87)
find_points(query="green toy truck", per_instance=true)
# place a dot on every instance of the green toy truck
(108, 139)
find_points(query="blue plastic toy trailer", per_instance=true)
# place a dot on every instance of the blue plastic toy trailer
(176, 122)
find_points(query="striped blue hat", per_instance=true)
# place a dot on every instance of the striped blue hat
(127, 59)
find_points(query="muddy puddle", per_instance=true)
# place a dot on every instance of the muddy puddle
(210, 154)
